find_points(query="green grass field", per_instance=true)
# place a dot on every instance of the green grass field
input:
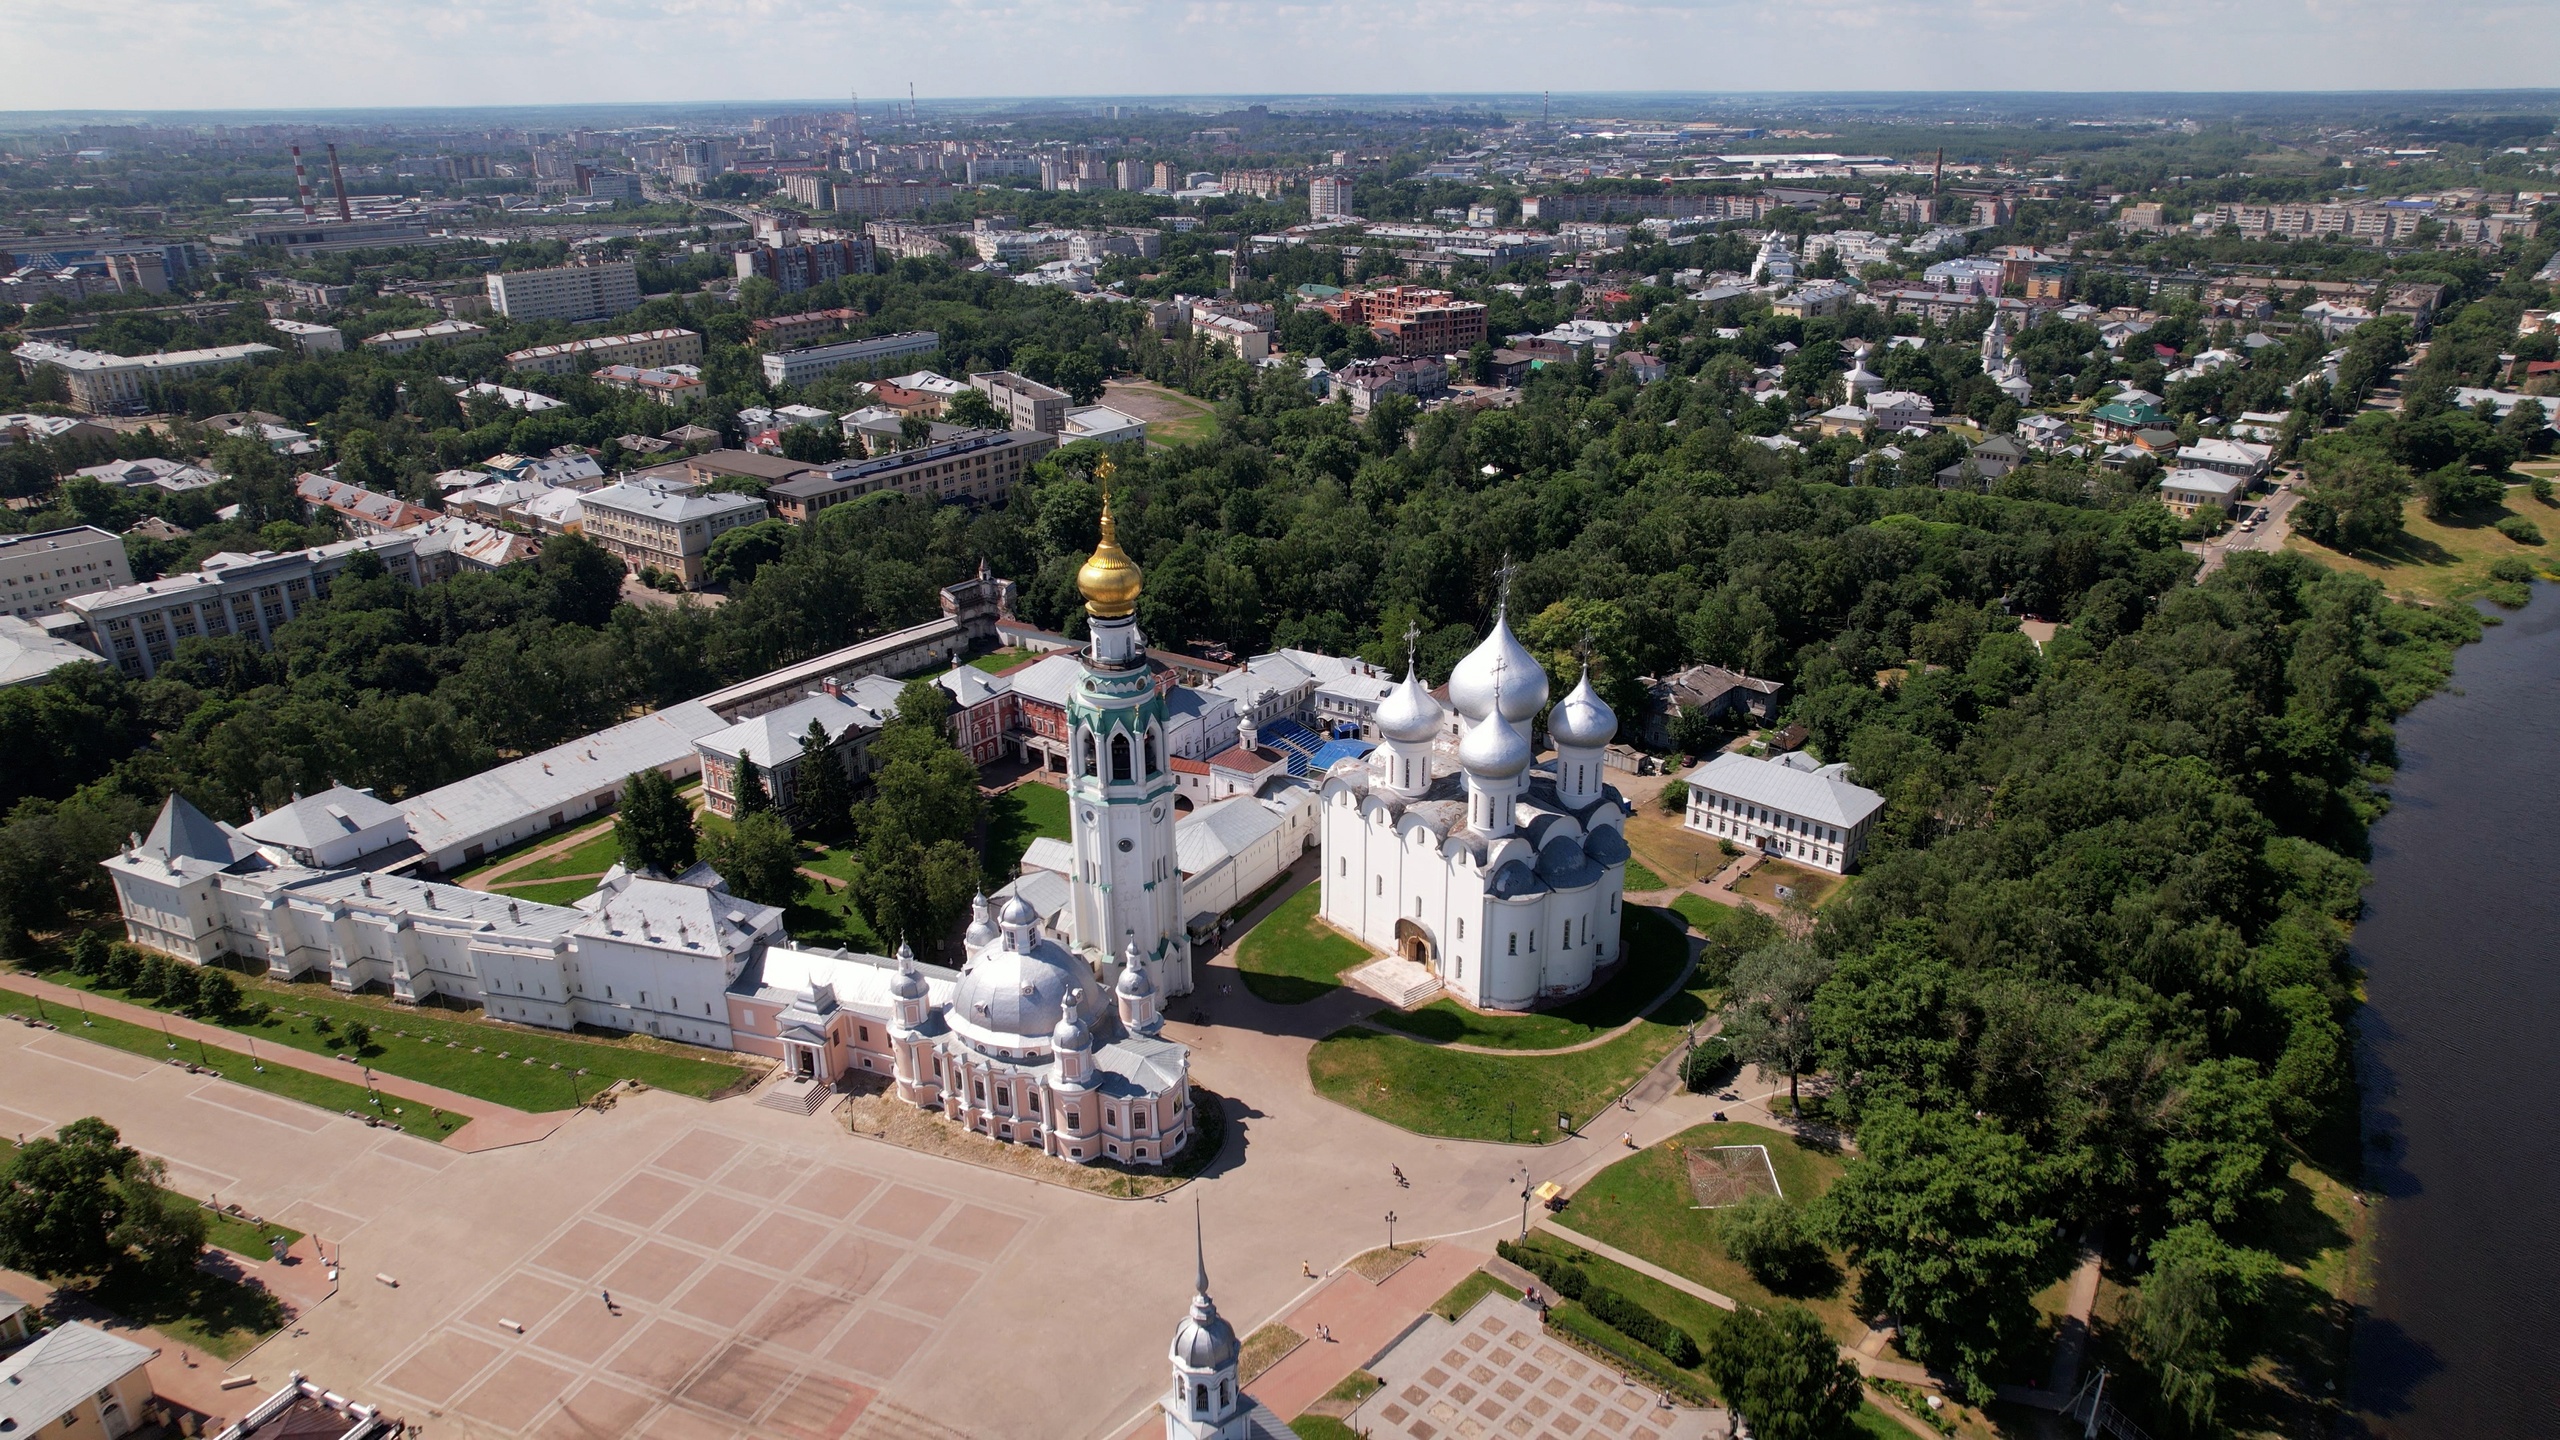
(1640, 876)
(1657, 948)
(457, 1051)
(996, 661)
(2437, 560)
(546, 892)
(1293, 957)
(241, 1069)
(242, 1238)
(1644, 1205)
(1025, 813)
(826, 916)
(592, 856)
(1463, 1295)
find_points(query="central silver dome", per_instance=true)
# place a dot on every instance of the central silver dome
(1495, 749)
(1018, 993)
(1500, 670)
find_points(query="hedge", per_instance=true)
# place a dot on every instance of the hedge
(1606, 1305)
(1589, 1334)
(1708, 1065)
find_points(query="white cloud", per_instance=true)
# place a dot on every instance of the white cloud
(282, 54)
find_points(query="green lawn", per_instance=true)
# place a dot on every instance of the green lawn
(2438, 560)
(1656, 951)
(242, 1238)
(458, 1051)
(1877, 1425)
(1025, 813)
(1000, 660)
(1643, 1204)
(820, 918)
(221, 1317)
(833, 861)
(1640, 876)
(546, 892)
(240, 1068)
(1293, 957)
(1463, 1295)
(592, 856)
(1678, 1306)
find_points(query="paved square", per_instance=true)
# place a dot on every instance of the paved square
(905, 1212)
(1496, 1373)
(644, 1199)
(519, 1391)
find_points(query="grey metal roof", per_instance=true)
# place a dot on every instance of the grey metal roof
(524, 790)
(56, 1373)
(313, 821)
(1825, 794)
(1139, 1065)
(775, 735)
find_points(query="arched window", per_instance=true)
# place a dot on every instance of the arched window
(1417, 907)
(1382, 884)
(1151, 754)
(1200, 1398)
(1119, 757)
(1344, 865)
(1226, 1392)
(1085, 743)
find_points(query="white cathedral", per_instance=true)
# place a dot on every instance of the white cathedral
(1501, 876)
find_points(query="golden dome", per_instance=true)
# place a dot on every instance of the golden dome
(1110, 580)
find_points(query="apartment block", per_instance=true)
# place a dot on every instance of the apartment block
(655, 524)
(979, 466)
(248, 595)
(441, 334)
(796, 367)
(813, 259)
(645, 348)
(40, 573)
(128, 384)
(781, 332)
(570, 292)
(1026, 403)
(1329, 197)
(1410, 319)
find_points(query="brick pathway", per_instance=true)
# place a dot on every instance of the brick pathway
(1364, 1319)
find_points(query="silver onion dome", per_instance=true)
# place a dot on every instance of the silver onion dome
(1495, 749)
(1409, 715)
(1582, 720)
(1499, 669)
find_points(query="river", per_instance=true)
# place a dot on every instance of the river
(2461, 1059)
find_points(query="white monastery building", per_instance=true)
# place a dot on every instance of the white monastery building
(1793, 807)
(1503, 878)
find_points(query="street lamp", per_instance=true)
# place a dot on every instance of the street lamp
(1524, 1202)
(1391, 1229)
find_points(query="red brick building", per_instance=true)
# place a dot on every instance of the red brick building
(1410, 319)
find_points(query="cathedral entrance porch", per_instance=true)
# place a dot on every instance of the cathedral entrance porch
(1399, 981)
(1413, 945)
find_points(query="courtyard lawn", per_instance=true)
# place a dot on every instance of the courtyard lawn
(1671, 850)
(1812, 887)
(835, 862)
(1657, 947)
(1027, 812)
(219, 1316)
(343, 1096)
(592, 856)
(2439, 560)
(459, 1051)
(1293, 957)
(1640, 877)
(1432, 1090)
(998, 661)
(242, 1238)
(546, 892)
(1643, 1204)
(824, 915)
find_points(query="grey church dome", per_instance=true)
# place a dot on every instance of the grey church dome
(1018, 993)
(1409, 715)
(1495, 749)
(1582, 719)
(1500, 664)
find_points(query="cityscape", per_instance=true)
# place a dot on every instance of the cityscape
(1641, 764)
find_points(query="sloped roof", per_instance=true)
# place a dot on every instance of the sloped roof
(314, 821)
(185, 832)
(68, 1365)
(1825, 794)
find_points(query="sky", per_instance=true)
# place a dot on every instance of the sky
(292, 54)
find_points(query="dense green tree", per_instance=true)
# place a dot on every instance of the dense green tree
(82, 1203)
(1775, 1240)
(821, 799)
(2219, 1159)
(1782, 1372)
(1948, 1222)
(758, 858)
(748, 795)
(1769, 1002)
(655, 826)
(2193, 1315)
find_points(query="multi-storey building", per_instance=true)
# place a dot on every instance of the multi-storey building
(870, 198)
(597, 291)
(39, 573)
(139, 626)
(1409, 319)
(784, 331)
(679, 385)
(1793, 807)
(644, 348)
(441, 334)
(125, 384)
(1026, 403)
(978, 466)
(1261, 184)
(797, 367)
(653, 524)
(357, 510)
(813, 258)
(1329, 197)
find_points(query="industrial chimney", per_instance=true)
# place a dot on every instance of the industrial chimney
(302, 186)
(338, 182)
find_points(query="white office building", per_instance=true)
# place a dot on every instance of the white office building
(1793, 807)
(39, 573)
(796, 367)
(570, 292)
(119, 384)
(248, 595)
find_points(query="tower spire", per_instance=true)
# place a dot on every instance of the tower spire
(1199, 1251)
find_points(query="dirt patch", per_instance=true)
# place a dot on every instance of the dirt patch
(1375, 1266)
(1265, 1348)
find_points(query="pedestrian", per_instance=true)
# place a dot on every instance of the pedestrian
(1399, 1174)
(608, 1300)
(1306, 1270)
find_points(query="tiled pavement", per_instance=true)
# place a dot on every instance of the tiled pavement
(1494, 1376)
(752, 1293)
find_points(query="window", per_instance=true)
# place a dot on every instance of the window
(1151, 753)
(1345, 866)
(1382, 884)
(1003, 1096)
(1110, 1117)
(1462, 927)
(1090, 765)
(1119, 757)
(1515, 943)
(1417, 907)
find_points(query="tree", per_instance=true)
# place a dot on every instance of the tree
(1080, 376)
(736, 556)
(1769, 1008)
(2198, 1300)
(2219, 1161)
(821, 801)
(910, 890)
(357, 1037)
(813, 444)
(758, 859)
(1949, 1222)
(1771, 1237)
(914, 432)
(1782, 1372)
(82, 1203)
(655, 827)
(972, 408)
(217, 994)
(750, 797)
(2354, 493)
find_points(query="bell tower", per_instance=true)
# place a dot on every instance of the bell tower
(1128, 888)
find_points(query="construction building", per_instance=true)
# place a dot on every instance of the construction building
(1410, 319)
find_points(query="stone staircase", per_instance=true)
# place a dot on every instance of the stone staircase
(1396, 980)
(794, 1096)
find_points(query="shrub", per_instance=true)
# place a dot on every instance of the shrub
(358, 1036)
(1563, 1277)
(178, 985)
(1637, 1323)
(150, 978)
(123, 963)
(2520, 530)
(2511, 570)
(217, 994)
(1708, 1066)
(88, 954)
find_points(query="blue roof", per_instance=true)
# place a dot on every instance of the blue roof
(1333, 752)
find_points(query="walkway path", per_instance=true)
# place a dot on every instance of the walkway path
(560, 845)
(1868, 1365)
(492, 1124)
(1678, 983)
(1363, 1319)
